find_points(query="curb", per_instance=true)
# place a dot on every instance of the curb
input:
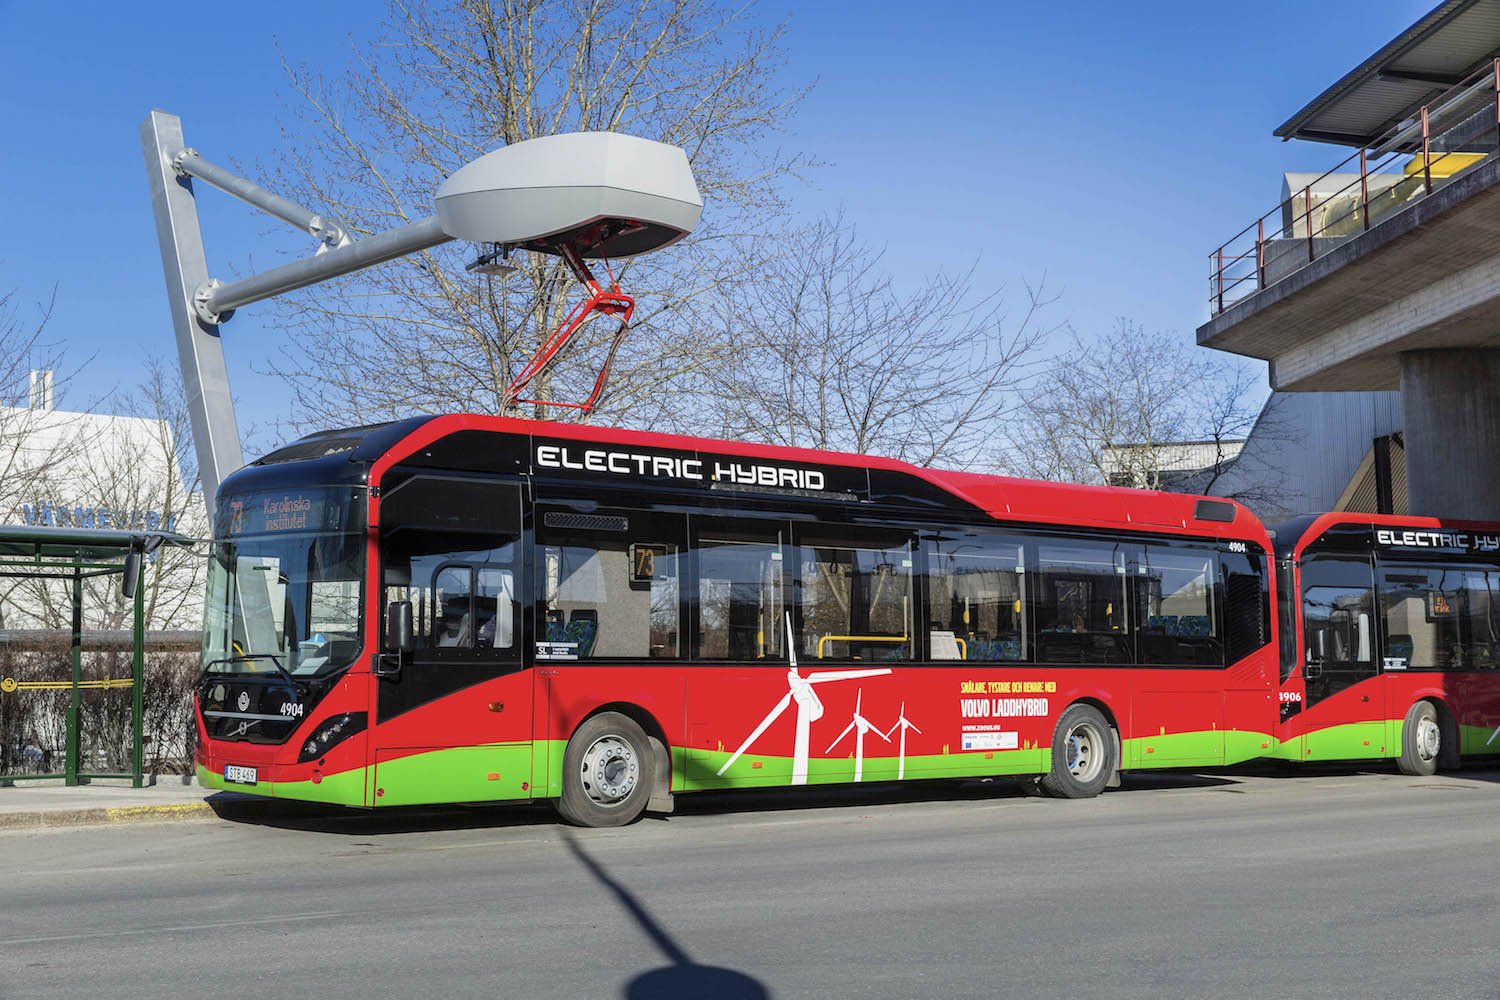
(46, 818)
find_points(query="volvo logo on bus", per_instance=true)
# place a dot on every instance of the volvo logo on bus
(681, 467)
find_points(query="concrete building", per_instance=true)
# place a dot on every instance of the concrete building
(1383, 274)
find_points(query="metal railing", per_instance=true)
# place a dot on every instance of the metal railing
(1443, 139)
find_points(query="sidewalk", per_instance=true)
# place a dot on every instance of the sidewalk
(28, 806)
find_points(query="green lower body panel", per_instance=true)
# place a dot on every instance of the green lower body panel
(497, 772)
(1479, 740)
(698, 770)
(346, 788)
(1206, 748)
(1374, 740)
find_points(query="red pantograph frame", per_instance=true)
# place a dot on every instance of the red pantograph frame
(604, 301)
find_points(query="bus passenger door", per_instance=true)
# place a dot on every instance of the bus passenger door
(1344, 709)
(455, 724)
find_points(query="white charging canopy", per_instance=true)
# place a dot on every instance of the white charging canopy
(609, 195)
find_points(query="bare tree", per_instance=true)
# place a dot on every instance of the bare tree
(33, 447)
(1139, 409)
(449, 80)
(828, 352)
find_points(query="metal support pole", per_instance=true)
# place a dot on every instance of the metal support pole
(138, 677)
(1260, 252)
(190, 161)
(1219, 271)
(70, 775)
(215, 301)
(1307, 203)
(205, 377)
(1364, 191)
(1426, 152)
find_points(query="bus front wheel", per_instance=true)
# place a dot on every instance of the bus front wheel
(1421, 740)
(1083, 754)
(607, 772)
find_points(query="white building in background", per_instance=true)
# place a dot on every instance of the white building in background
(70, 469)
(1172, 465)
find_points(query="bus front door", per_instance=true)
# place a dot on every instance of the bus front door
(1343, 715)
(454, 723)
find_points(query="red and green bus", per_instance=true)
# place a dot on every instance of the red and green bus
(1390, 636)
(477, 609)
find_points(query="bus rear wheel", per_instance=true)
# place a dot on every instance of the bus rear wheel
(1083, 754)
(1421, 740)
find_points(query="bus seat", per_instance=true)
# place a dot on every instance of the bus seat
(1399, 646)
(583, 631)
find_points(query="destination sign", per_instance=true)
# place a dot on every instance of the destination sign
(1437, 539)
(284, 511)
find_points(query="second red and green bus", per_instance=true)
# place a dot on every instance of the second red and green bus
(1390, 635)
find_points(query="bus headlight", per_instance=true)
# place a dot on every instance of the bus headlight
(331, 733)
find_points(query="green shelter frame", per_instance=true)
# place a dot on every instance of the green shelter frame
(75, 555)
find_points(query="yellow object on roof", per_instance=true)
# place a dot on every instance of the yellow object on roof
(1445, 164)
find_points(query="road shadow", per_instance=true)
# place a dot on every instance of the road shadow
(321, 818)
(683, 979)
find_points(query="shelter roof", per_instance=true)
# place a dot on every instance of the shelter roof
(1446, 46)
(92, 544)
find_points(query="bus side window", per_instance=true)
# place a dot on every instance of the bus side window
(1177, 613)
(1080, 602)
(449, 547)
(1438, 616)
(741, 604)
(608, 584)
(855, 591)
(976, 597)
(1247, 603)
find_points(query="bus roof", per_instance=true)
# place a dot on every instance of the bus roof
(361, 453)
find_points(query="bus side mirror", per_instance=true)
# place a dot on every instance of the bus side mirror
(132, 574)
(400, 634)
(1320, 644)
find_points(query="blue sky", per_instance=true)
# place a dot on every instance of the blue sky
(1110, 146)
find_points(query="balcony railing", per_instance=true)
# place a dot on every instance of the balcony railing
(1444, 139)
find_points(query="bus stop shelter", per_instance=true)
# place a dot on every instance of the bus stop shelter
(72, 556)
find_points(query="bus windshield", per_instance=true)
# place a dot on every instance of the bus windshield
(284, 583)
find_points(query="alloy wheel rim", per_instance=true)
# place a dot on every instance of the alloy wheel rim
(1429, 739)
(1083, 746)
(609, 770)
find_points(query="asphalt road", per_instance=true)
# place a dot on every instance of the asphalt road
(1245, 885)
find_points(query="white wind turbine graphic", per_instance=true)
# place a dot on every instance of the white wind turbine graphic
(809, 707)
(903, 724)
(859, 725)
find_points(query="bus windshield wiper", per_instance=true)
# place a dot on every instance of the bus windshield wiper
(247, 657)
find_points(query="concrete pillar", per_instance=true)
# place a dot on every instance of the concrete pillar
(1450, 401)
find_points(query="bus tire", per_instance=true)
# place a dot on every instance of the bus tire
(608, 772)
(1083, 754)
(1421, 740)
